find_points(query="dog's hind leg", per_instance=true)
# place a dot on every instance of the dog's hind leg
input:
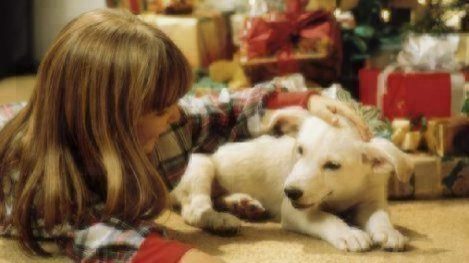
(242, 205)
(194, 195)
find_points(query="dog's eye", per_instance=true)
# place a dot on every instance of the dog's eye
(331, 166)
(300, 150)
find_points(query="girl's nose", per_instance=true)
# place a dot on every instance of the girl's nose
(175, 114)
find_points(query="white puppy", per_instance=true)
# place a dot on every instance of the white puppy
(304, 180)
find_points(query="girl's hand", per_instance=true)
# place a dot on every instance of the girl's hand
(326, 109)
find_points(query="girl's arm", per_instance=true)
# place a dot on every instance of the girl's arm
(116, 241)
(213, 121)
(235, 117)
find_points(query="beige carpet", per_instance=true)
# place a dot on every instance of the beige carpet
(439, 232)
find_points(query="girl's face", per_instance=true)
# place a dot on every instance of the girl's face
(151, 125)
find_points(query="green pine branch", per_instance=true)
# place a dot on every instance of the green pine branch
(432, 21)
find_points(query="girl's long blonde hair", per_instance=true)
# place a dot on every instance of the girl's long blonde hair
(75, 142)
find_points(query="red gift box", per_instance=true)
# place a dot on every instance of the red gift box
(410, 94)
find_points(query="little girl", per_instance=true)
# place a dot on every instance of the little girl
(89, 160)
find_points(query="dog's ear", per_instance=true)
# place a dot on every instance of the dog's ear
(285, 121)
(384, 156)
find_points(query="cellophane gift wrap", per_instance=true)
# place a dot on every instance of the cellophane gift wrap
(426, 80)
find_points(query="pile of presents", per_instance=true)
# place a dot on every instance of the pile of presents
(425, 95)
(422, 94)
(263, 38)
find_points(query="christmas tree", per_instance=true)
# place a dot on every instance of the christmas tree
(435, 16)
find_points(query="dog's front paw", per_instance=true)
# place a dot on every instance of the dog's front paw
(223, 224)
(352, 239)
(211, 220)
(389, 238)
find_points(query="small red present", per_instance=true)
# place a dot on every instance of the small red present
(407, 95)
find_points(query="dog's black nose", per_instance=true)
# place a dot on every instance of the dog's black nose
(293, 193)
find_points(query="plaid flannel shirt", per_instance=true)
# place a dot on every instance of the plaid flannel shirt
(206, 123)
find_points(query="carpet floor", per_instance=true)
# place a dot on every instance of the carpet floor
(438, 232)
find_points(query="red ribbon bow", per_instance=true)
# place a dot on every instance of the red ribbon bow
(278, 34)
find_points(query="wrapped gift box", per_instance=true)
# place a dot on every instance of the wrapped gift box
(448, 136)
(134, 6)
(154, 6)
(434, 177)
(407, 95)
(438, 136)
(278, 44)
(203, 38)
